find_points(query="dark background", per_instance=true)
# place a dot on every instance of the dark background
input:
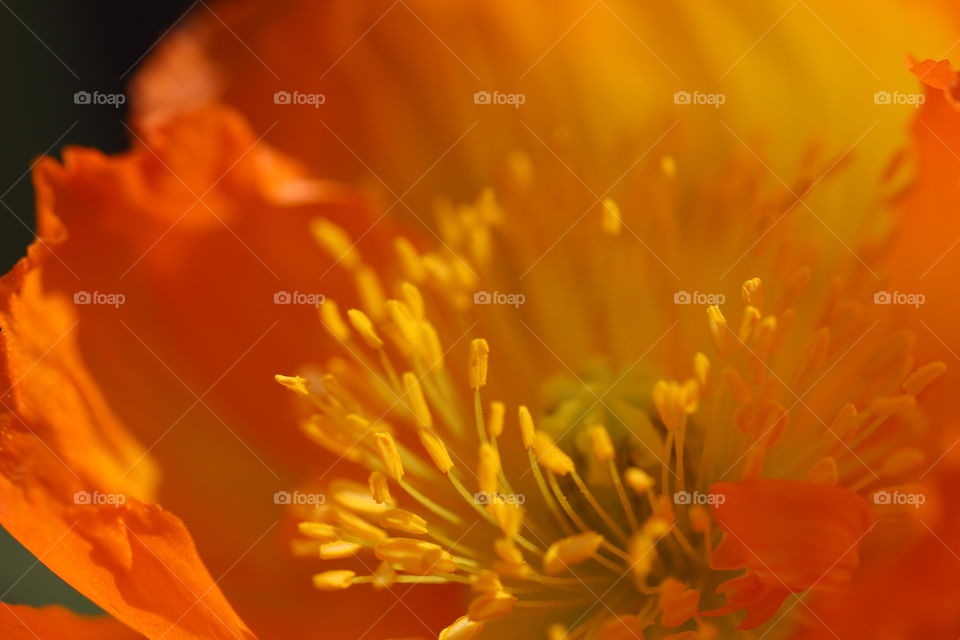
(49, 49)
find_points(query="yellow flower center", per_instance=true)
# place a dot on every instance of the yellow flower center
(561, 471)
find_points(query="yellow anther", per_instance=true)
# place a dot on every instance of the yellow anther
(923, 376)
(600, 443)
(764, 338)
(389, 455)
(557, 631)
(477, 369)
(462, 629)
(402, 520)
(570, 552)
(415, 556)
(701, 368)
(486, 581)
(495, 420)
(507, 550)
(414, 300)
(384, 576)
(550, 455)
(335, 241)
(436, 449)
(358, 526)
(752, 293)
(521, 167)
(333, 321)
(416, 400)
(301, 386)
(371, 292)
(410, 259)
(379, 487)
(355, 496)
(527, 430)
(719, 331)
(638, 480)
(507, 515)
(488, 469)
(611, 222)
(655, 526)
(409, 328)
(318, 531)
(363, 325)
(488, 606)
(432, 351)
(751, 318)
(668, 165)
(642, 552)
(674, 401)
(333, 580)
(338, 549)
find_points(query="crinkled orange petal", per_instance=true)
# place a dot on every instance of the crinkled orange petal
(790, 536)
(935, 73)
(199, 337)
(60, 442)
(915, 593)
(20, 622)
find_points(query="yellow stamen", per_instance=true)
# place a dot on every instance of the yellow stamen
(405, 521)
(333, 321)
(922, 377)
(488, 469)
(436, 449)
(611, 221)
(335, 241)
(491, 605)
(462, 629)
(361, 322)
(527, 430)
(333, 580)
(415, 399)
(477, 371)
(600, 443)
(569, 552)
(389, 455)
(550, 455)
(301, 386)
(338, 549)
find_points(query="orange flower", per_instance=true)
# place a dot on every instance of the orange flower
(621, 359)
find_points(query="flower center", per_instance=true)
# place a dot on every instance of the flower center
(591, 515)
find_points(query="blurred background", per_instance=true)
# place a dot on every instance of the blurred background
(49, 51)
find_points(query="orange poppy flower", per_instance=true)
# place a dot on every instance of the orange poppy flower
(562, 349)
